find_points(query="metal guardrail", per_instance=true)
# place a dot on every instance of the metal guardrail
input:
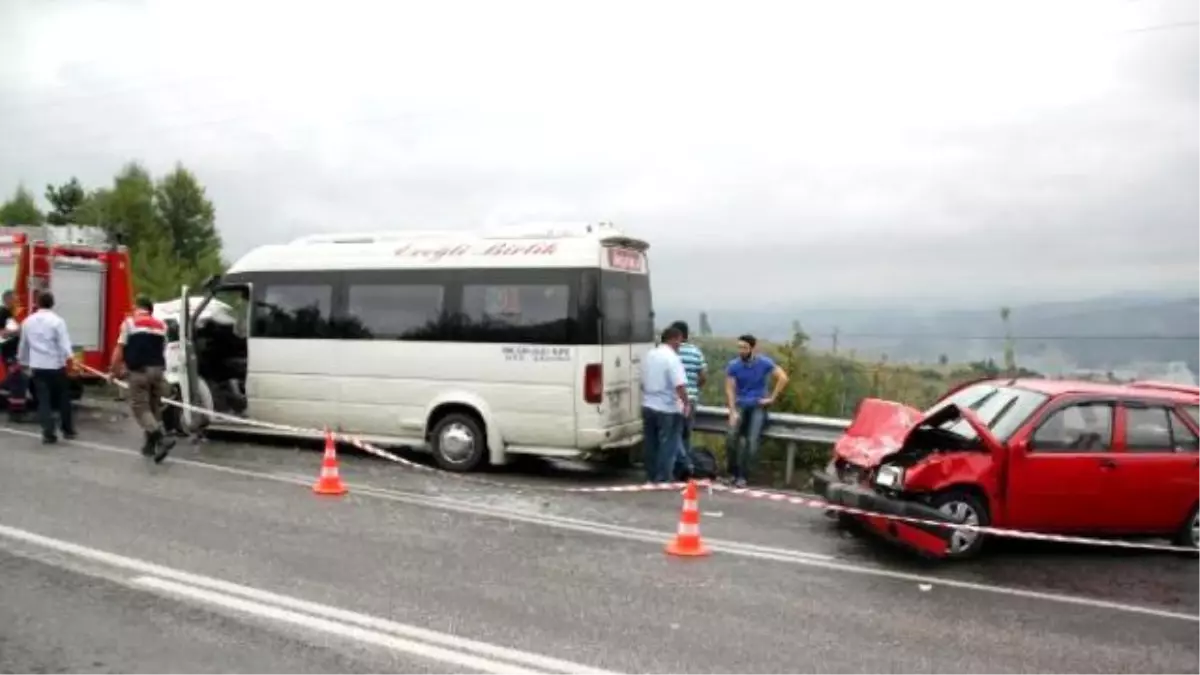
(793, 429)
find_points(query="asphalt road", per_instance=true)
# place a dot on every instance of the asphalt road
(212, 563)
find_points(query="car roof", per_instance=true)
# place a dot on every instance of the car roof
(1135, 390)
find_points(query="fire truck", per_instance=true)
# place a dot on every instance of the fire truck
(92, 282)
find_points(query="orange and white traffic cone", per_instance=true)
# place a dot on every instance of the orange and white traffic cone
(687, 541)
(330, 482)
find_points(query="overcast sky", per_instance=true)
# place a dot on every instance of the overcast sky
(825, 151)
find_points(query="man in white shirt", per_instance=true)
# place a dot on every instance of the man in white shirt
(45, 350)
(664, 406)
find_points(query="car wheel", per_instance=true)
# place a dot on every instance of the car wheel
(172, 418)
(1189, 533)
(965, 508)
(458, 443)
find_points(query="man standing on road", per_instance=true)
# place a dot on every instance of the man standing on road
(746, 379)
(16, 382)
(695, 367)
(141, 353)
(45, 349)
(664, 406)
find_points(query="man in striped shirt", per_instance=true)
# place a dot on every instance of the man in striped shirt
(694, 366)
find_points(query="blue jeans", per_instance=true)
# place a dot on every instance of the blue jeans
(685, 440)
(740, 456)
(660, 444)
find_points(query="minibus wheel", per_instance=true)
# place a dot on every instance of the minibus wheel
(458, 442)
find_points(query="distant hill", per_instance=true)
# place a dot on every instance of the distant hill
(1138, 333)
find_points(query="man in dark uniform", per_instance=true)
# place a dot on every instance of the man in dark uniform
(140, 353)
(16, 382)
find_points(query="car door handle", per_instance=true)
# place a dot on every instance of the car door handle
(1107, 464)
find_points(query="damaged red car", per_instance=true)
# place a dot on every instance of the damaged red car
(1048, 456)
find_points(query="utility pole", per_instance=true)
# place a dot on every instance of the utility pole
(835, 340)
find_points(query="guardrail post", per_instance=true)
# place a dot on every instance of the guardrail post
(791, 463)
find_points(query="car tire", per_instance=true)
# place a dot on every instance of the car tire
(458, 443)
(960, 504)
(172, 417)
(1189, 532)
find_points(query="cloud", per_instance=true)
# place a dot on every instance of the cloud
(780, 153)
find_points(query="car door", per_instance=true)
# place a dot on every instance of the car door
(1060, 471)
(1157, 468)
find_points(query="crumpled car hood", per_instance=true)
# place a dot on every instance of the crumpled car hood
(882, 427)
(878, 430)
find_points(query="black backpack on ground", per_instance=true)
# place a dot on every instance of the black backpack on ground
(704, 465)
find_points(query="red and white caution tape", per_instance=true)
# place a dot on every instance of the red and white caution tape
(392, 457)
(779, 497)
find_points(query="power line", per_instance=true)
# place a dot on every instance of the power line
(943, 337)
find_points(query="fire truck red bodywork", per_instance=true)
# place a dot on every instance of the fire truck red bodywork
(92, 284)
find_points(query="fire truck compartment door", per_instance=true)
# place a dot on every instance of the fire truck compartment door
(78, 287)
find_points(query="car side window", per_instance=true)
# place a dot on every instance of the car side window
(1193, 412)
(1148, 429)
(1185, 439)
(1083, 427)
(294, 311)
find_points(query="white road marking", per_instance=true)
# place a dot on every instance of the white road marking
(415, 640)
(327, 626)
(651, 536)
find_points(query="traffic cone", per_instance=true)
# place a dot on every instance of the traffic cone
(330, 482)
(687, 538)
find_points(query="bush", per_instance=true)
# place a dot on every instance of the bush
(823, 384)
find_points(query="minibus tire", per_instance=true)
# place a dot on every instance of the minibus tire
(454, 427)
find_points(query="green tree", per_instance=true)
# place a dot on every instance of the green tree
(156, 270)
(95, 207)
(168, 225)
(21, 209)
(188, 219)
(129, 215)
(65, 202)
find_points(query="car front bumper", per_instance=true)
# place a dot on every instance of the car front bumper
(926, 539)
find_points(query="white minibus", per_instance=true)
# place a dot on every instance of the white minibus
(473, 345)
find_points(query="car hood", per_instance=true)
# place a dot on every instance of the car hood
(880, 429)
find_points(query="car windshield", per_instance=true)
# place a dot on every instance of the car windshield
(1002, 409)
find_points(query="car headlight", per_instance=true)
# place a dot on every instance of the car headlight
(889, 476)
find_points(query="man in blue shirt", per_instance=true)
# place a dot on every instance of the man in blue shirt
(695, 367)
(664, 405)
(746, 380)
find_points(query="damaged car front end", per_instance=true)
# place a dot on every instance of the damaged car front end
(904, 472)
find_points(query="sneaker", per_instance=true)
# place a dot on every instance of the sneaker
(740, 483)
(49, 440)
(70, 435)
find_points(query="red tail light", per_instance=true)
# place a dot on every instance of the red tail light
(593, 383)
